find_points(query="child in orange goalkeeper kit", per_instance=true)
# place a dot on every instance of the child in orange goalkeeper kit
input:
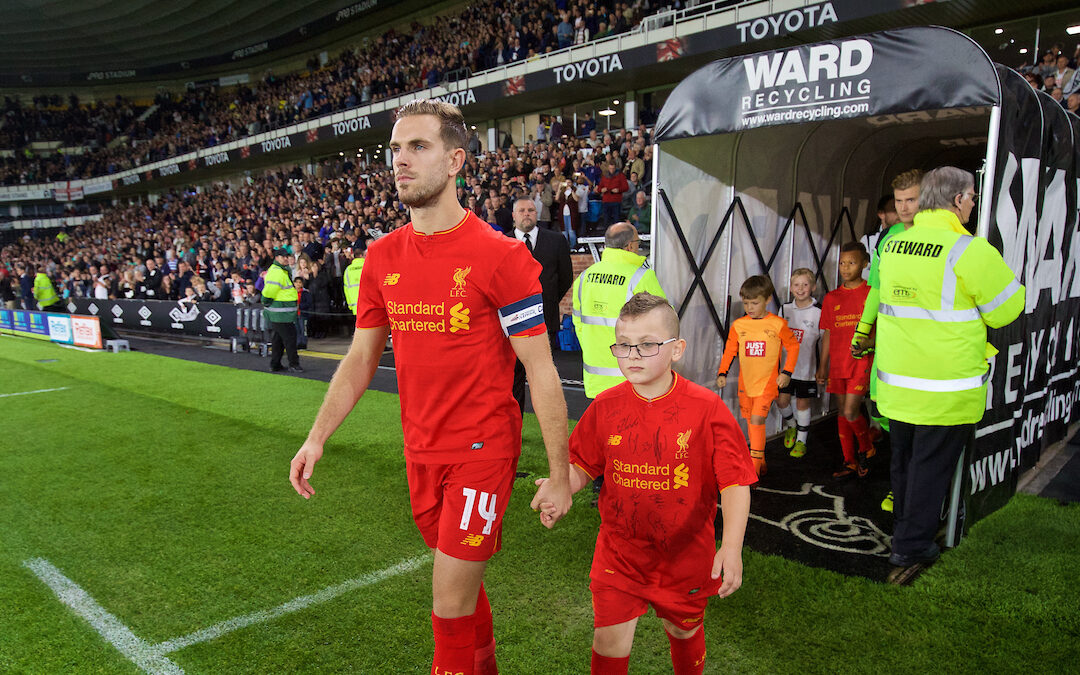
(667, 448)
(758, 338)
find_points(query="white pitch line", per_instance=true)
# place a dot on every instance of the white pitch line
(107, 625)
(219, 629)
(36, 391)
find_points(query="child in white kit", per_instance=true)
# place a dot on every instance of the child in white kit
(802, 316)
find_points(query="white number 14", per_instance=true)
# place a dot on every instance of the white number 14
(485, 508)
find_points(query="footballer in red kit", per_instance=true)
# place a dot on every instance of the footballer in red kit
(667, 449)
(448, 297)
(664, 462)
(848, 377)
(462, 302)
(840, 312)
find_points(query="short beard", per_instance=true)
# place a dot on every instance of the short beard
(424, 196)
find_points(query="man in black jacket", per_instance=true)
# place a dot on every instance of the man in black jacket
(7, 291)
(552, 251)
(152, 280)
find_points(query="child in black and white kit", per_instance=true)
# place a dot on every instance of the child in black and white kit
(802, 316)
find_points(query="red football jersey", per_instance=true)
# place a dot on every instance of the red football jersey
(664, 462)
(840, 313)
(451, 300)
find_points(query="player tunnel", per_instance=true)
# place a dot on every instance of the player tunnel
(770, 162)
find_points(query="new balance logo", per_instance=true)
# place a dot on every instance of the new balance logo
(614, 439)
(459, 318)
(473, 540)
(391, 279)
(682, 476)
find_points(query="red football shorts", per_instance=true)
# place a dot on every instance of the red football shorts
(857, 382)
(754, 405)
(612, 606)
(459, 508)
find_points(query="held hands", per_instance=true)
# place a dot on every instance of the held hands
(301, 467)
(727, 563)
(552, 500)
(821, 377)
(783, 380)
(721, 380)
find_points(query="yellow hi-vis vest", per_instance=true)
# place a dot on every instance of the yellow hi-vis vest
(599, 293)
(44, 292)
(278, 295)
(940, 289)
(352, 282)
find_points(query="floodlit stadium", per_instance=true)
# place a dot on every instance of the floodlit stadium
(221, 223)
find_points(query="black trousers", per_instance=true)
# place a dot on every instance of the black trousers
(283, 339)
(923, 460)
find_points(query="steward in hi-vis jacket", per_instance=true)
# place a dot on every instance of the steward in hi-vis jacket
(940, 289)
(599, 293)
(279, 310)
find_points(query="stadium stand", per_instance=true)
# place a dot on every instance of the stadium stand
(212, 232)
(115, 136)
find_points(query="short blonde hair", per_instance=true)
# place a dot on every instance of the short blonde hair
(643, 303)
(908, 179)
(805, 272)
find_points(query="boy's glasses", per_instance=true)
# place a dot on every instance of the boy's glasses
(645, 349)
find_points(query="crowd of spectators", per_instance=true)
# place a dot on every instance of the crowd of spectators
(484, 34)
(1056, 75)
(214, 243)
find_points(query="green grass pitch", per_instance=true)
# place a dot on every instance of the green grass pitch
(160, 488)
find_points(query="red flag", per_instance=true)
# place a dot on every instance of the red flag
(669, 50)
(514, 86)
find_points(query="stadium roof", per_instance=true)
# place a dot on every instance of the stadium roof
(39, 38)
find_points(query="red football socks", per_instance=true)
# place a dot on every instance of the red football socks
(862, 432)
(688, 656)
(609, 665)
(455, 644)
(847, 439)
(484, 659)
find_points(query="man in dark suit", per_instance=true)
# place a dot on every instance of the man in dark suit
(551, 250)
